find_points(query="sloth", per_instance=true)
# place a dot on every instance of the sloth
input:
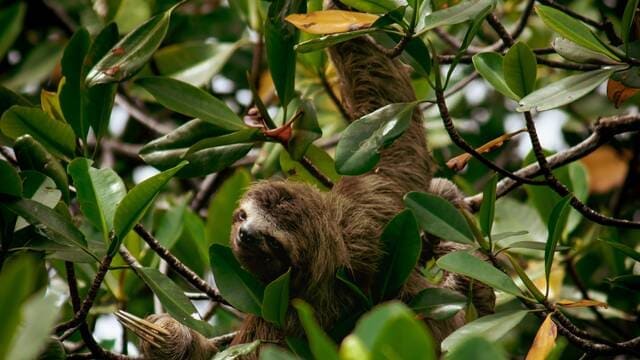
(281, 225)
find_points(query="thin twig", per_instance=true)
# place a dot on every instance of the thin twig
(141, 116)
(178, 266)
(562, 190)
(603, 130)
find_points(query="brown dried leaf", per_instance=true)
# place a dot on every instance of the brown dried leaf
(618, 93)
(607, 169)
(459, 162)
(545, 340)
(581, 303)
(331, 21)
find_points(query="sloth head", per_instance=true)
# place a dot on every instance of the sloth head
(280, 225)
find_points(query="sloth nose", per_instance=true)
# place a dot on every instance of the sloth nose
(247, 236)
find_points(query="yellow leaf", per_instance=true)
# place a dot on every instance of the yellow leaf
(545, 340)
(581, 303)
(331, 21)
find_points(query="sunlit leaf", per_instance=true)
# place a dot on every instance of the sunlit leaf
(32, 155)
(456, 14)
(519, 68)
(581, 303)
(574, 52)
(374, 6)
(544, 341)
(330, 40)
(490, 327)
(490, 66)
(331, 21)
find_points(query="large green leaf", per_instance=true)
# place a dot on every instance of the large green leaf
(174, 300)
(391, 331)
(438, 303)
(236, 285)
(57, 137)
(132, 52)
(17, 282)
(564, 91)
(375, 6)
(477, 348)
(238, 351)
(36, 213)
(11, 19)
(402, 246)
(439, 217)
(32, 155)
(133, 206)
(10, 180)
(99, 191)
(626, 25)
(189, 100)
(39, 315)
(358, 149)
(222, 205)
(490, 66)
(461, 262)
(490, 327)
(276, 300)
(488, 207)
(519, 68)
(574, 52)
(557, 223)
(325, 41)
(280, 39)
(456, 14)
(322, 347)
(572, 29)
(72, 96)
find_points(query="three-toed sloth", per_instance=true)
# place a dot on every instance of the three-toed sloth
(281, 225)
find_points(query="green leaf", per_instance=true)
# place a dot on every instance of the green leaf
(38, 214)
(391, 331)
(319, 158)
(11, 19)
(439, 217)
(572, 29)
(31, 155)
(9, 98)
(438, 303)
(238, 351)
(461, 262)
(40, 188)
(239, 137)
(358, 149)
(173, 299)
(10, 180)
(305, 130)
(626, 25)
(508, 234)
(57, 137)
(557, 223)
(280, 39)
(402, 246)
(236, 285)
(629, 77)
(132, 52)
(574, 52)
(325, 41)
(564, 91)
(273, 352)
(490, 327)
(375, 6)
(99, 191)
(72, 95)
(628, 251)
(17, 282)
(194, 62)
(488, 207)
(275, 303)
(169, 150)
(39, 315)
(99, 98)
(490, 66)
(192, 101)
(222, 205)
(322, 347)
(133, 206)
(456, 14)
(534, 245)
(519, 68)
(477, 348)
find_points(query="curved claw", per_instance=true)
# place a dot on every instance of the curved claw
(146, 330)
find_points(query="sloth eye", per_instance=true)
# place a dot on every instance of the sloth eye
(272, 242)
(240, 215)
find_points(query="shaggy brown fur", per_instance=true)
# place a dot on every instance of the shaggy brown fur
(316, 233)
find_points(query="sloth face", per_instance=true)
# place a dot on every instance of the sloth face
(272, 224)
